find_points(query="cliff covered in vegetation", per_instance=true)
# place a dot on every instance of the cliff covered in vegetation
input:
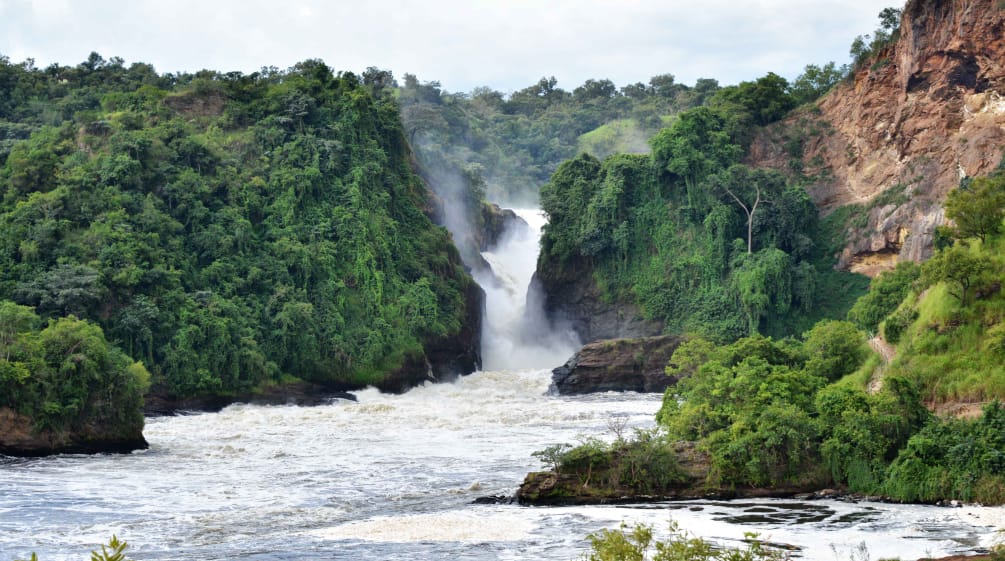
(230, 231)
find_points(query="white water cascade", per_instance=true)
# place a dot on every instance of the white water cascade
(514, 337)
(395, 477)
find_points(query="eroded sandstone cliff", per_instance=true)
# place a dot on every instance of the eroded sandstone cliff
(904, 129)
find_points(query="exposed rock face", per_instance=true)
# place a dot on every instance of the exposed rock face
(497, 221)
(618, 365)
(18, 437)
(925, 113)
(570, 295)
(196, 104)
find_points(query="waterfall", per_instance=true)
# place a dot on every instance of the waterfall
(513, 336)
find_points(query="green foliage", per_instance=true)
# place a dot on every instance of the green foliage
(978, 207)
(885, 293)
(956, 459)
(815, 81)
(230, 230)
(834, 349)
(660, 231)
(750, 405)
(114, 551)
(520, 139)
(866, 47)
(638, 544)
(762, 101)
(696, 145)
(623, 136)
(643, 463)
(897, 323)
(67, 376)
(959, 267)
(863, 432)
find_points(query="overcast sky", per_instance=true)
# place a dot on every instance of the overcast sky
(504, 44)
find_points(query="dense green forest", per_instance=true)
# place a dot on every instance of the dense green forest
(824, 409)
(700, 241)
(654, 221)
(779, 388)
(227, 230)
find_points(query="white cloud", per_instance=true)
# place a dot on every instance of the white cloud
(505, 44)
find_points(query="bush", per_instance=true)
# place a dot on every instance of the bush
(638, 544)
(895, 325)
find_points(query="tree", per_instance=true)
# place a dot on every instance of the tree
(815, 81)
(693, 147)
(595, 90)
(977, 208)
(889, 19)
(766, 99)
(749, 188)
(14, 320)
(834, 349)
(886, 292)
(956, 266)
(763, 283)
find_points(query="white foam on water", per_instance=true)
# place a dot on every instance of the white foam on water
(462, 526)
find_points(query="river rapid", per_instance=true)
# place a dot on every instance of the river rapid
(394, 477)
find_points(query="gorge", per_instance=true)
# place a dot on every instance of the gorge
(233, 247)
(395, 477)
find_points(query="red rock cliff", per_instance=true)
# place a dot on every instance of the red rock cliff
(926, 112)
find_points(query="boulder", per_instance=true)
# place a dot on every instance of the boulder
(620, 365)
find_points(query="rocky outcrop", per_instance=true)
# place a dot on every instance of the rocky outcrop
(571, 296)
(20, 437)
(906, 127)
(496, 222)
(606, 485)
(618, 365)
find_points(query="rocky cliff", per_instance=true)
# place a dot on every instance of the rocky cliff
(619, 365)
(904, 129)
(570, 295)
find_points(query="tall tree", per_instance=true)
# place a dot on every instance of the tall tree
(978, 207)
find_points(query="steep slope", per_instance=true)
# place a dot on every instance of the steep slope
(908, 125)
(233, 232)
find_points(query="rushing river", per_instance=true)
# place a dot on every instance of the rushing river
(394, 477)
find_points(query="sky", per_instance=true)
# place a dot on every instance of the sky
(506, 45)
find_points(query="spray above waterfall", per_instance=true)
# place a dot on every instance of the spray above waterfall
(516, 333)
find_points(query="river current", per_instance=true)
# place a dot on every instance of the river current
(394, 478)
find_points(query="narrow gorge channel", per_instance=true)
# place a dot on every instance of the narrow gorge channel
(394, 477)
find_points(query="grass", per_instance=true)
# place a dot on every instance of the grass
(623, 136)
(952, 351)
